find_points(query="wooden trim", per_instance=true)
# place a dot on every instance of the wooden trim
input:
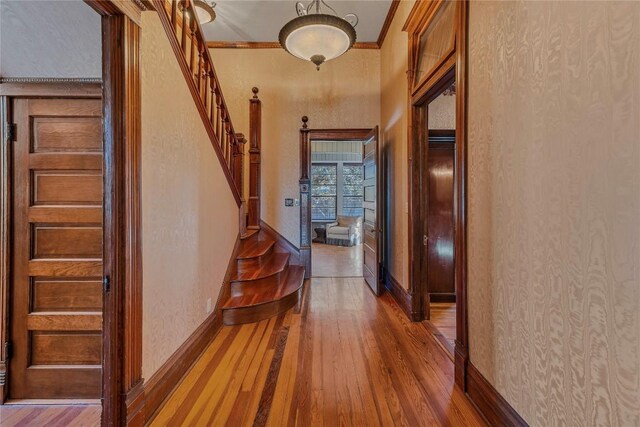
(274, 45)
(399, 294)
(338, 134)
(130, 8)
(462, 96)
(5, 241)
(162, 383)
(442, 297)
(255, 170)
(243, 45)
(168, 376)
(67, 88)
(418, 94)
(122, 324)
(387, 22)
(490, 402)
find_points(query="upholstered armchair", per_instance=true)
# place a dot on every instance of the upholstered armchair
(346, 231)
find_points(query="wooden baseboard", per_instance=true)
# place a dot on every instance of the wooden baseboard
(283, 243)
(162, 383)
(489, 402)
(165, 380)
(398, 293)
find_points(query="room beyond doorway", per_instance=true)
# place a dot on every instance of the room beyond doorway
(339, 215)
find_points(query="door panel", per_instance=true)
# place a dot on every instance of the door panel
(371, 205)
(440, 226)
(56, 319)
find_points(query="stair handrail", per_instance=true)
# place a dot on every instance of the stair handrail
(185, 35)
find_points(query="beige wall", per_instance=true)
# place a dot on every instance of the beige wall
(554, 208)
(393, 131)
(345, 93)
(54, 39)
(189, 216)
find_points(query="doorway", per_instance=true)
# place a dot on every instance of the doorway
(437, 275)
(343, 203)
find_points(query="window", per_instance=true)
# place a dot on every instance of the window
(324, 192)
(352, 190)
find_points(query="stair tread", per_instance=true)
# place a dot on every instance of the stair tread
(292, 283)
(249, 233)
(255, 247)
(275, 263)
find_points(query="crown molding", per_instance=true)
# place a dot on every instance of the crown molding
(387, 22)
(49, 80)
(274, 45)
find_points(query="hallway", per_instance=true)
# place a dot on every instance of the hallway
(342, 358)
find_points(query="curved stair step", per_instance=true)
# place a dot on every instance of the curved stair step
(274, 263)
(270, 302)
(254, 248)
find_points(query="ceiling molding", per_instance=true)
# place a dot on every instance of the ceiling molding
(387, 22)
(49, 80)
(274, 45)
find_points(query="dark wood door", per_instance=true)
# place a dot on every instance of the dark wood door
(56, 316)
(440, 225)
(371, 205)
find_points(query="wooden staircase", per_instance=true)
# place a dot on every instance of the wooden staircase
(263, 283)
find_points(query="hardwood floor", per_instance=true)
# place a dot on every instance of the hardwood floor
(443, 319)
(336, 261)
(343, 357)
(50, 415)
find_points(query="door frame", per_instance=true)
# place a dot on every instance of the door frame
(122, 396)
(453, 61)
(308, 135)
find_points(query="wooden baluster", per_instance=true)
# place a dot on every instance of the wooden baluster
(205, 87)
(212, 104)
(174, 15)
(198, 73)
(192, 53)
(218, 114)
(183, 38)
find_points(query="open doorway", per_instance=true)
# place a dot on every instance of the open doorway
(339, 206)
(438, 140)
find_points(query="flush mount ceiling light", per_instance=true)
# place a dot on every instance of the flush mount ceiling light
(316, 36)
(204, 11)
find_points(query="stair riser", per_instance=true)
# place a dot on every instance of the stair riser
(250, 287)
(237, 316)
(255, 262)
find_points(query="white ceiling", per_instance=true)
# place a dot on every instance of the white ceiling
(261, 21)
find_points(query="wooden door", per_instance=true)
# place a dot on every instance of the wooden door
(56, 316)
(371, 204)
(440, 226)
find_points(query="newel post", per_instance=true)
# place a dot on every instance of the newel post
(305, 199)
(255, 138)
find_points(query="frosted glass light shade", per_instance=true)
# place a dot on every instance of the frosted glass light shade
(204, 12)
(317, 38)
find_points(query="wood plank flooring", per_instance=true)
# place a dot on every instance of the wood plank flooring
(443, 319)
(49, 415)
(344, 357)
(336, 261)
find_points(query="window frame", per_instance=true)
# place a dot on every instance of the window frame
(335, 197)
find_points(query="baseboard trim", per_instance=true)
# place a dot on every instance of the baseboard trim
(283, 242)
(398, 293)
(489, 402)
(165, 380)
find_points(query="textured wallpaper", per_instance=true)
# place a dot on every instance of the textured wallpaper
(554, 208)
(49, 39)
(345, 93)
(189, 216)
(393, 131)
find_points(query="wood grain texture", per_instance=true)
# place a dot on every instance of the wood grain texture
(554, 196)
(23, 415)
(332, 363)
